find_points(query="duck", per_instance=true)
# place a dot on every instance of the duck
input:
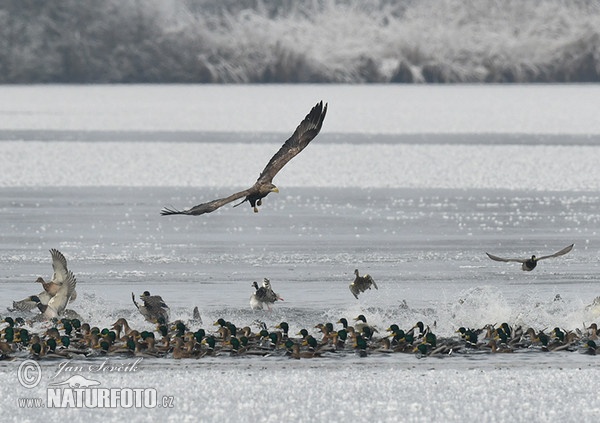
(29, 303)
(57, 304)
(263, 296)
(297, 353)
(361, 284)
(51, 288)
(529, 264)
(344, 322)
(154, 308)
(590, 348)
(121, 326)
(284, 328)
(593, 331)
(258, 298)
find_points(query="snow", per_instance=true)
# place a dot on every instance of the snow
(417, 216)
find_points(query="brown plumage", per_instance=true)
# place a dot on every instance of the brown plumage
(154, 308)
(361, 284)
(302, 136)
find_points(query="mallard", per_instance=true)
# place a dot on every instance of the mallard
(122, 328)
(297, 353)
(154, 308)
(593, 331)
(258, 298)
(304, 134)
(51, 288)
(361, 284)
(590, 348)
(272, 296)
(285, 329)
(263, 296)
(57, 304)
(529, 264)
(362, 327)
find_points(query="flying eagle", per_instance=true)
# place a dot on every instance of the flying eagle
(304, 134)
(529, 264)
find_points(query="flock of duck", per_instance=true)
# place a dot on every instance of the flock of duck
(68, 336)
(64, 335)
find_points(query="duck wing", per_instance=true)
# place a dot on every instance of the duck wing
(155, 305)
(558, 253)
(59, 302)
(210, 206)
(372, 281)
(496, 258)
(59, 264)
(305, 132)
(354, 289)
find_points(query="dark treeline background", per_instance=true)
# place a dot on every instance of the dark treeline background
(352, 41)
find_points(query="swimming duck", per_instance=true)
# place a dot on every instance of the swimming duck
(529, 264)
(154, 309)
(122, 328)
(361, 327)
(338, 339)
(344, 322)
(285, 329)
(297, 353)
(590, 348)
(361, 284)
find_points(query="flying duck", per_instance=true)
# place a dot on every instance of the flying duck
(57, 304)
(529, 264)
(51, 288)
(154, 308)
(302, 136)
(361, 284)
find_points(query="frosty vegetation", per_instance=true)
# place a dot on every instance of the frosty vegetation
(270, 41)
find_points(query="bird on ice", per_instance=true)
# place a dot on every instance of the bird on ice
(529, 264)
(302, 136)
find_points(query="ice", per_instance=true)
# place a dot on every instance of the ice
(409, 184)
(364, 109)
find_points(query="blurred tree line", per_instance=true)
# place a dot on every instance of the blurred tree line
(208, 41)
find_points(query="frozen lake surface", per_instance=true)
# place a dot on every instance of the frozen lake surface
(409, 184)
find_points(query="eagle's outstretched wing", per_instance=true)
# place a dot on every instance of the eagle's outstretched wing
(207, 207)
(558, 253)
(505, 259)
(302, 136)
